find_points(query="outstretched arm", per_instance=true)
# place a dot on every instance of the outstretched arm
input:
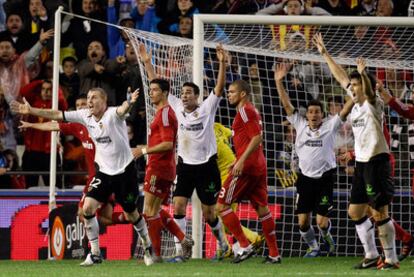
(338, 72)
(221, 77)
(142, 150)
(280, 73)
(25, 108)
(145, 58)
(346, 109)
(366, 83)
(127, 105)
(45, 126)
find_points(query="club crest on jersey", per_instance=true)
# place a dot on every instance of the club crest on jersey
(100, 125)
(195, 114)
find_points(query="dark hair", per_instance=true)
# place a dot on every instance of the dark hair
(314, 102)
(81, 96)
(242, 85)
(196, 89)
(336, 99)
(14, 13)
(15, 158)
(69, 59)
(162, 83)
(49, 81)
(7, 38)
(101, 91)
(355, 75)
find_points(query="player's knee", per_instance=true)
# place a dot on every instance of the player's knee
(179, 207)
(88, 210)
(355, 214)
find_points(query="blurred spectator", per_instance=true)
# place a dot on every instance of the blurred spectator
(385, 8)
(145, 16)
(287, 160)
(232, 72)
(116, 37)
(365, 8)
(169, 25)
(291, 7)
(237, 6)
(98, 71)
(7, 135)
(130, 77)
(15, 30)
(69, 80)
(82, 32)
(36, 156)
(185, 27)
(16, 181)
(335, 7)
(256, 86)
(15, 70)
(38, 18)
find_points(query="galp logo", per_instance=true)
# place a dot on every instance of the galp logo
(58, 239)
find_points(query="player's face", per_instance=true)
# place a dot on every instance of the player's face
(156, 94)
(356, 89)
(234, 95)
(314, 116)
(46, 91)
(96, 103)
(188, 98)
(81, 103)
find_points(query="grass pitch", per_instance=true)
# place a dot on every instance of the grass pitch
(290, 267)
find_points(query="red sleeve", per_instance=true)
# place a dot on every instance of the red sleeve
(401, 108)
(252, 125)
(31, 91)
(66, 128)
(62, 103)
(169, 127)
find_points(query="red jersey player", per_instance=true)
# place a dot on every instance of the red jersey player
(248, 177)
(160, 171)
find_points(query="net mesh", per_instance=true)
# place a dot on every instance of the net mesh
(254, 50)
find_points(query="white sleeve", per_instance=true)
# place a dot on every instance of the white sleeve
(174, 102)
(211, 103)
(296, 119)
(335, 122)
(75, 116)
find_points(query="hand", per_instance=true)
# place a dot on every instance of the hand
(137, 151)
(361, 64)
(318, 42)
(45, 36)
(281, 71)
(120, 59)
(24, 125)
(20, 108)
(238, 168)
(144, 56)
(111, 3)
(3, 170)
(134, 95)
(346, 156)
(41, 11)
(384, 94)
(221, 53)
(99, 68)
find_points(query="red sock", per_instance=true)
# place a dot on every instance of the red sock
(233, 224)
(268, 226)
(154, 230)
(170, 225)
(119, 218)
(400, 233)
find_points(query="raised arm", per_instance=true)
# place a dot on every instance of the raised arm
(25, 108)
(142, 150)
(338, 72)
(280, 73)
(366, 83)
(221, 77)
(45, 126)
(145, 58)
(346, 109)
(128, 104)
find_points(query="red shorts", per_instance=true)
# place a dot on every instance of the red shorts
(253, 188)
(158, 187)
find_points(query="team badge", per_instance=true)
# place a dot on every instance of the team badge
(100, 125)
(195, 114)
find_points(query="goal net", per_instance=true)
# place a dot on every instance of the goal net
(254, 50)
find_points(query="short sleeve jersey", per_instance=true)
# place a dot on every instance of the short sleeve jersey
(246, 125)
(109, 134)
(163, 128)
(367, 126)
(315, 147)
(196, 140)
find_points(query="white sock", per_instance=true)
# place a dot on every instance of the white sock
(309, 238)
(218, 233)
(386, 233)
(92, 232)
(182, 223)
(142, 230)
(366, 234)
